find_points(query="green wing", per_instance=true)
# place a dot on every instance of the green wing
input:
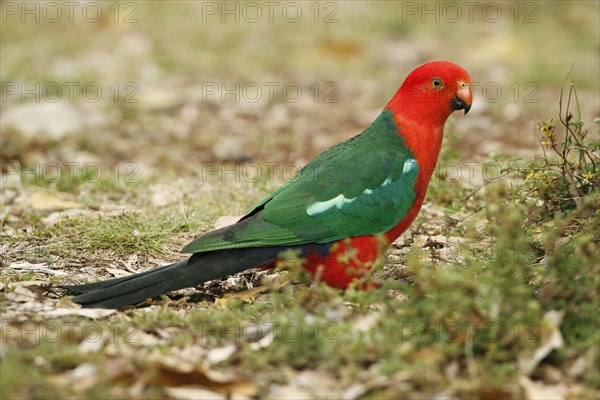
(363, 186)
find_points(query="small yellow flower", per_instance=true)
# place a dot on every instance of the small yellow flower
(532, 175)
(589, 175)
(547, 128)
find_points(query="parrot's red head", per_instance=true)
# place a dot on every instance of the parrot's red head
(422, 105)
(432, 92)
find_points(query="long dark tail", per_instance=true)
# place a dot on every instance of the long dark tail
(199, 268)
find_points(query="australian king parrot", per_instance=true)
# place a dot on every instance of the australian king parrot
(338, 215)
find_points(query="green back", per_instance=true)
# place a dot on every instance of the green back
(363, 186)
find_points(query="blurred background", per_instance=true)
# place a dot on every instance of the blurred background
(172, 85)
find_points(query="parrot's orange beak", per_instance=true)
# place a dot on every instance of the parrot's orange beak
(463, 97)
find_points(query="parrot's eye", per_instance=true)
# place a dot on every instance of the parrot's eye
(436, 82)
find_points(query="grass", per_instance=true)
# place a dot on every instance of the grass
(463, 328)
(467, 328)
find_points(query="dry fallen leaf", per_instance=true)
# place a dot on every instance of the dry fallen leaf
(93, 344)
(46, 201)
(93, 313)
(181, 374)
(26, 283)
(583, 363)
(26, 266)
(83, 377)
(355, 391)
(309, 384)
(289, 392)
(262, 343)
(247, 295)
(550, 339)
(21, 294)
(220, 354)
(365, 323)
(539, 391)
